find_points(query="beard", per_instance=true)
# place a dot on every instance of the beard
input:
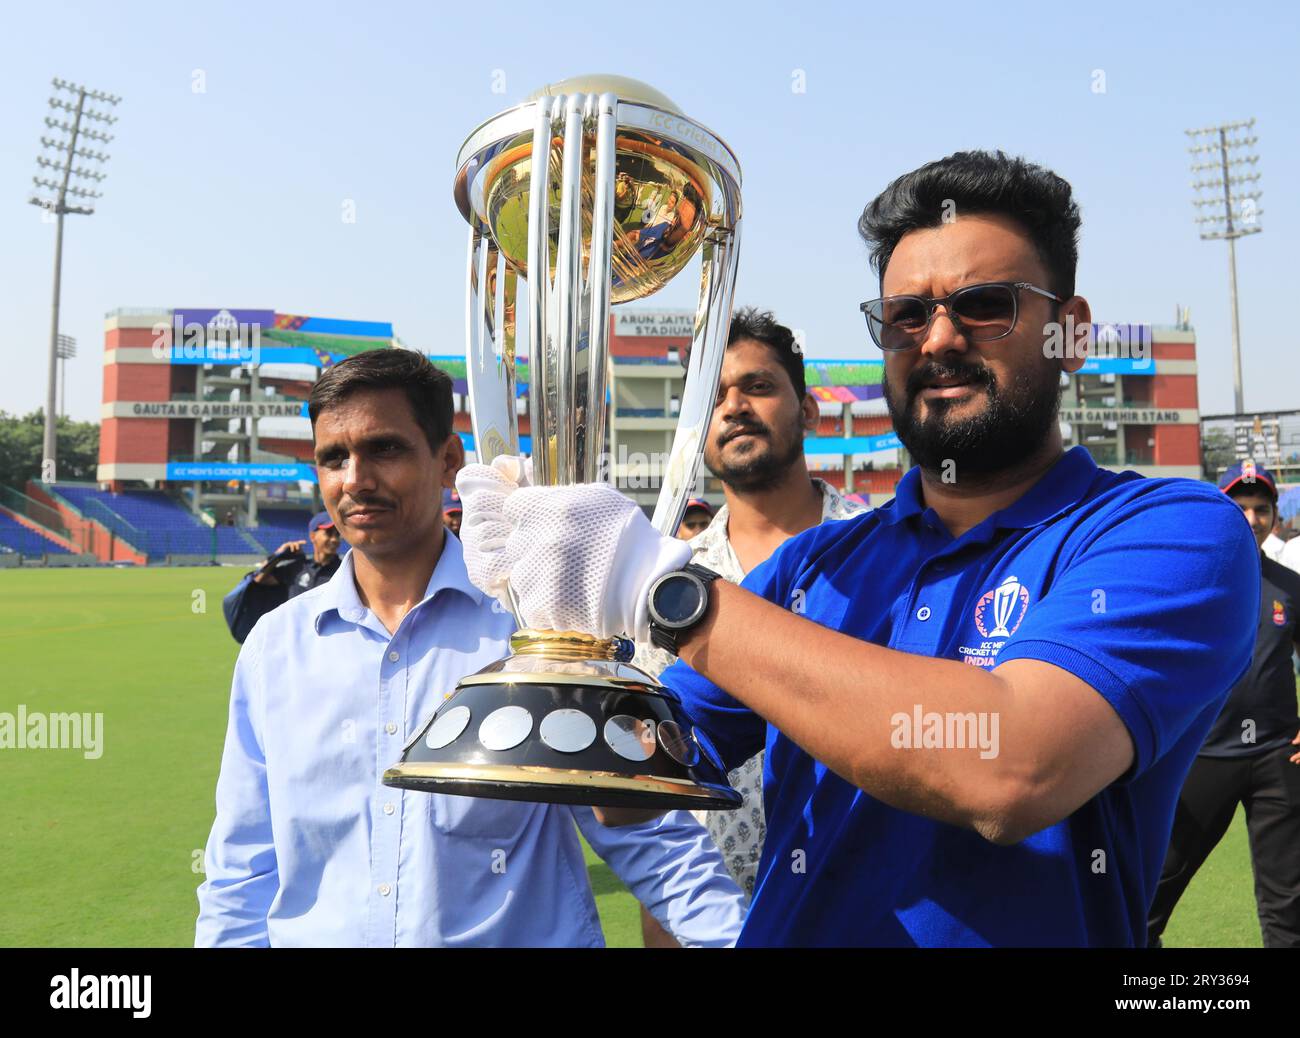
(764, 465)
(1012, 427)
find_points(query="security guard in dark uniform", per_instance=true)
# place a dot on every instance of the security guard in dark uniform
(1251, 755)
(286, 573)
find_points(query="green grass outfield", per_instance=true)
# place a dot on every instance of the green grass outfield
(104, 852)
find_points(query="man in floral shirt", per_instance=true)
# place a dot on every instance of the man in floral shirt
(755, 447)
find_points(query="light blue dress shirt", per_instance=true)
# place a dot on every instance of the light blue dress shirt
(310, 849)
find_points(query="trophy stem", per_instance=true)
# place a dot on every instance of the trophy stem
(567, 645)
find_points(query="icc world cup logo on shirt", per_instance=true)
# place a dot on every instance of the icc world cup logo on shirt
(1004, 606)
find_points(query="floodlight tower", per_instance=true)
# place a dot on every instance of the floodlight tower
(61, 169)
(1232, 212)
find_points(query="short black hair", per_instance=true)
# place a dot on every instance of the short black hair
(761, 325)
(980, 182)
(427, 387)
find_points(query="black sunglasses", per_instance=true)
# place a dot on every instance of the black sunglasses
(980, 312)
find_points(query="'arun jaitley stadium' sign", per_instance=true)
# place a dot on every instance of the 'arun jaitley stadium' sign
(657, 323)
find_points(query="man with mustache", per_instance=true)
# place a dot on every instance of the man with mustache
(980, 700)
(308, 848)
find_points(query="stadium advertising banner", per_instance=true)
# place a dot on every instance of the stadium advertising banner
(1118, 366)
(851, 444)
(255, 337)
(1119, 349)
(248, 471)
(222, 319)
(206, 336)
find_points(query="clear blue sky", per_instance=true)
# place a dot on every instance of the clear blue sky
(233, 196)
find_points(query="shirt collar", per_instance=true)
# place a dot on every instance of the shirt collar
(1058, 489)
(340, 594)
(907, 499)
(835, 504)
(832, 502)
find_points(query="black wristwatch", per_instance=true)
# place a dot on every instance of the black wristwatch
(678, 601)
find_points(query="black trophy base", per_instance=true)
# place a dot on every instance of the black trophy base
(605, 736)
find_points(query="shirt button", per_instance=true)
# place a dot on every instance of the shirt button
(390, 728)
(393, 656)
(385, 889)
(923, 613)
(388, 809)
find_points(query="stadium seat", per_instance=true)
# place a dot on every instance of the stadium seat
(166, 526)
(26, 541)
(279, 525)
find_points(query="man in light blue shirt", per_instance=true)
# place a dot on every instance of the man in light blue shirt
(308, 848)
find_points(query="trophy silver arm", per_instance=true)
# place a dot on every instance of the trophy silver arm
(489, 372)
(542, 388)
(708, 346)
(591, 460)
(567, 295)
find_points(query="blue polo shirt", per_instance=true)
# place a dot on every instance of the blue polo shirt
(1146, 589)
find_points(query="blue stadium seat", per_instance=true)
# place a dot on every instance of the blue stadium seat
(26, 541)
(166, 526)
(279, 525)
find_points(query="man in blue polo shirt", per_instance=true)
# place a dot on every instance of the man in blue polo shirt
(980, 736)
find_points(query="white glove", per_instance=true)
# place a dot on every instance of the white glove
(483, 525)
(578, 558)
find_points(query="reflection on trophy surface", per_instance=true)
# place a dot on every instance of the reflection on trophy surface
(595, 191)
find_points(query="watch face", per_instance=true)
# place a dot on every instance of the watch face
(678, 600)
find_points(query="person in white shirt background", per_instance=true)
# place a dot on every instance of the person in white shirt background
(308, 848)
(754, 445)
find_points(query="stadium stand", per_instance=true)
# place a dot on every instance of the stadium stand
(165, 526)
(16, 537)
(279, 525)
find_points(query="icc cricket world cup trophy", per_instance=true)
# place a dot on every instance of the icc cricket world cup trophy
(595, 191)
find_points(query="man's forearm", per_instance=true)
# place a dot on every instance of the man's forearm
(837, 697)
(677, 872)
